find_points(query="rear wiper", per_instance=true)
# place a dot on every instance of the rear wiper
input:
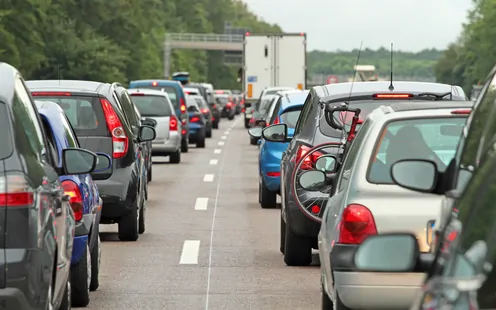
(435, 96)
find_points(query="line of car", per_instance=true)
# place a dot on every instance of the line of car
(74, 155)
(394, 188)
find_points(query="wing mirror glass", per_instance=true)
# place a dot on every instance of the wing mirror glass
(276, 133)
(312, 180)
(104, 162)
(327, 164)
(146, 133)
(418, 175)
(255, 132)
(78, 161)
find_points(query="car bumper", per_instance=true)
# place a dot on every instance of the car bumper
(372, 290)
(78, 247)
(272, 183)
(170, 145)
(14, 298)
(117, 195)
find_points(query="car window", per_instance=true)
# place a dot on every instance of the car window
(201, 103)
(70, 136)
(265, 105)
(52, 143)
(305, 113)
(351, 156)
(152, 105)
(27, 118)
(290, 118)
(271, 109)
(434, 139)
(7, 147)
(277, 107)
(192, 105)
(128, 108)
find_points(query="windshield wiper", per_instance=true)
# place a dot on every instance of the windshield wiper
(435, 96)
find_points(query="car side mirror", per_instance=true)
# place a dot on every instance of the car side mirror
(415, 174)
(276, 133)
(104, 162)
(78, 161)
(255, 132)
(313, 180)
(394, 252)
(146, 133)
(327, 163)
(149, 122)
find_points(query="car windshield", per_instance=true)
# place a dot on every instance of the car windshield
(434, 139)
(152, 105)
(290, 118)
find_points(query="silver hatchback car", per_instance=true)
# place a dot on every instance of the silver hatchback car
(156, 105)
(366, 200)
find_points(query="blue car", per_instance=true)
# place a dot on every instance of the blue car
(85, 202)
(286, 111)
(176, 94)
(197, 123)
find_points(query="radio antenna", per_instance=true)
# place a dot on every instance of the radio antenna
(391, 87)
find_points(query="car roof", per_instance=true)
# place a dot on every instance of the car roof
(148, 91)
(74, 85)
(279, 87)
(49, 108)
(430, 105)
(294, 99)
(338, 89)
(221, 95)
(7, 72)
(161, 82)
(190, 89)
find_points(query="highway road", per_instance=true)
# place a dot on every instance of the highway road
(208, 244)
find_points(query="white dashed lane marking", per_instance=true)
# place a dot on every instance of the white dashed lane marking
(208, 178)
(201, 203)
(221, 143)
(217, 151)
(214, 161)
(189, 255)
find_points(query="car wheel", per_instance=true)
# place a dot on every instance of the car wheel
(326, 301)
(253, 141)
(200, 141)
(268, 199)
(128, 225)
(208, 134)
(184, 145)
(297, 249)
(215, 125)
(66, 298)
(175, 158)
(149, 174)
(282, 238)
(141, 224)
(81, 279)
(96, 258)
(231, 117)
(247, 123)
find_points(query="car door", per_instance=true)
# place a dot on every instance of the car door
(40, 162)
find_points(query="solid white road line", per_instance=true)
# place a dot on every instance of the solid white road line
(221, 143)
(208, 178)
(223, 137)
(217, 151)
(214, 161)
(201, 203)
(189, 255)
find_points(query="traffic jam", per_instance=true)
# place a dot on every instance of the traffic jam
(173, 194)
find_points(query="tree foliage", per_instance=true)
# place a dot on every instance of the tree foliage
(406, 64)
(118, 40)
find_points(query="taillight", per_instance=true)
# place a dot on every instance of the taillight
(214, 106)
(309, 161)
(242, 110)
(462, 112)
(173, 123)
(76, 199)
(276, 121)
(15, 191)
(229, 104)
(183, 105)
(273, 174)
(194, 119)
(120, 141)
(50, 94)
(205, 110)
(357, 223)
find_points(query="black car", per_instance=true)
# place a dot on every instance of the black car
(226, 106)
(300, 223)
(207, 114)
(105, 120)
(37, 220)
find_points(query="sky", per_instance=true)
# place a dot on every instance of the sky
(412, 25)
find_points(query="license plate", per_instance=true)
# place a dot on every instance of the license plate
(248, 115)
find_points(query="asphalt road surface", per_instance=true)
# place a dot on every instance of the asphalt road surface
(208, 244)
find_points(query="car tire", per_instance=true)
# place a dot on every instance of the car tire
(200, 141)
(184, 145)
(253, 141)
(175, 158)
(141, 222)
(231, 117)
(96, 258)
(215, 125)
(247, 123)
(65, 304)
(81, 279)
(326, 302)
(208, 134)
(267, 199)
(128, 225)
(297, 249)
(282, 238)
(149, 175)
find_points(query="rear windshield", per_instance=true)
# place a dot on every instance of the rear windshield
(201, 103)
(84, 113)
(221, 100)
(434, 139)
(151, 105)
(171, 91)
(290, 118)
(366, 106)
(6, 148)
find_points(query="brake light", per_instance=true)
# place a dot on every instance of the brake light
(214, 106)
(76, 199)
(219, 91)
(242, 110)
(53, 94)
(183, 105)
(15, 191)
(137, 94)
(462, 112)
(205, 110)
(120, 141)
(187, 93)
(392, 96)
(229, 104)
(194, 119)
(154, 83)
(173, 123)
(183, 131)
(276, 121)
(309, 161)
(247, 34)
(273, 174)
(357, 223)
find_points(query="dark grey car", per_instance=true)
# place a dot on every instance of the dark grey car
(37, 222)
(105, 120)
